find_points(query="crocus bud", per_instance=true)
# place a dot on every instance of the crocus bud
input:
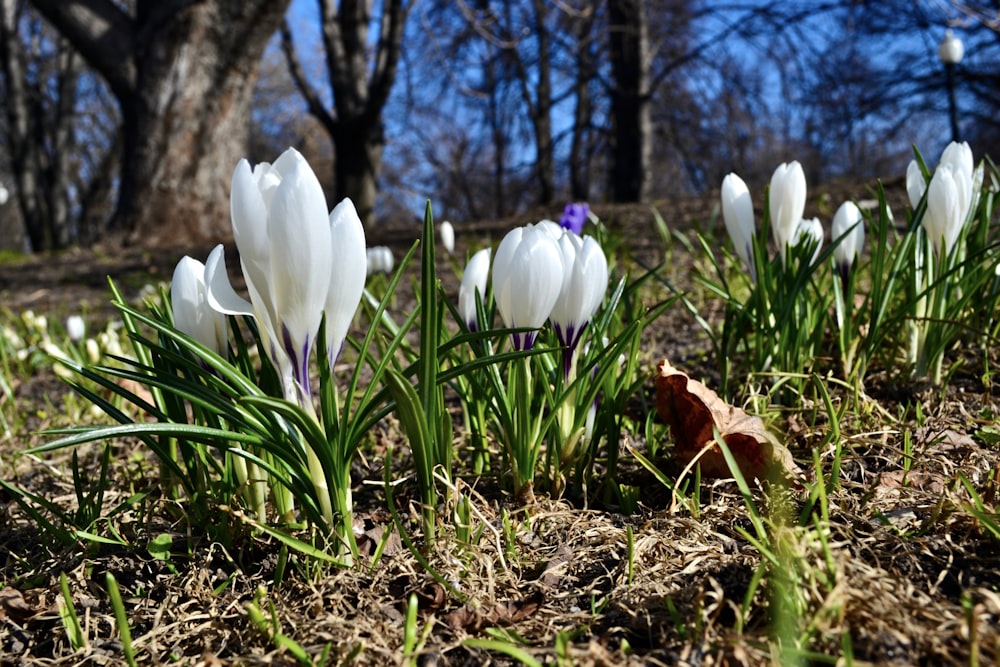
(810, 233)
(848, 219)
(527, 280)
(737, 213)
(915, 183)
(574, 217)
(447, 233)
(193, 315)
(959, 156)
(76, 328)
(787, 197)
(583, 292)
(949, 197)
(474, 279)
(379, 260)
(4, 195)
(93, 351)
(349, 267)
(848, 226)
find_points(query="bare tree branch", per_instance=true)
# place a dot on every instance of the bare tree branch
(102, 33)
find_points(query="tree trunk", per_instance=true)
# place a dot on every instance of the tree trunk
(631, 119)
(358, 162)
(183, 73)
(581, 143)
(543, 111)
(40, 126)
(187, 124)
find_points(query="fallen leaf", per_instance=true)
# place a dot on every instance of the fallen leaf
(468, 618)
(693, 411)
(13, 606)
(555, 567)
(932, 482)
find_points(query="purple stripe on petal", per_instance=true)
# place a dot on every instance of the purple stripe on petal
(304, 368)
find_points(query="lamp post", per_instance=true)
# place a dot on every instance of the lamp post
(950, 51)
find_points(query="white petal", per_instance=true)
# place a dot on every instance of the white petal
(447, 232)
(473, 280)
(847, 219)
(249, 214)
(299, 235)
(347, 280)
(787, 202)
(915, 184)
(221, 295)
(737, 213)
(528, 285)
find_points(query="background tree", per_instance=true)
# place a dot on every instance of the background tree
(183, 73)
(58, 129)
(631, 120)
(360, 84)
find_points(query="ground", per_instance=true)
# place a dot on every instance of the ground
(897, 568)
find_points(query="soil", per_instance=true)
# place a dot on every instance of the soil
(903, 572)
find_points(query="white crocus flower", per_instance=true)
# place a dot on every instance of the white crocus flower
(93, 351)
(915, 184)
(447, 233)
(959, 156)
(849, 224)
(477, 272)
(949, 197)
(787, 198)
(76, 328)
(527, 280)
(347, 277)
(282, 230)
(192, 314)
(380, 260)
(809, 232)
(848, 219)
(737, 213)
(583, 291)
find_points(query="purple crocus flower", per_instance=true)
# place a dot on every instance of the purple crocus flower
(574, 217)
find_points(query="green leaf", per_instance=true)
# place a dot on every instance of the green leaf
(159, 547)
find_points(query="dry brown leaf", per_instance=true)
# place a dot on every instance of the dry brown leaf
(468, 618)
(932, 482)
(692, 411)
(13, 606)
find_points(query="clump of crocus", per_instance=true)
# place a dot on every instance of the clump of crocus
(951, 195)
(737, 213)
(949, 198)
